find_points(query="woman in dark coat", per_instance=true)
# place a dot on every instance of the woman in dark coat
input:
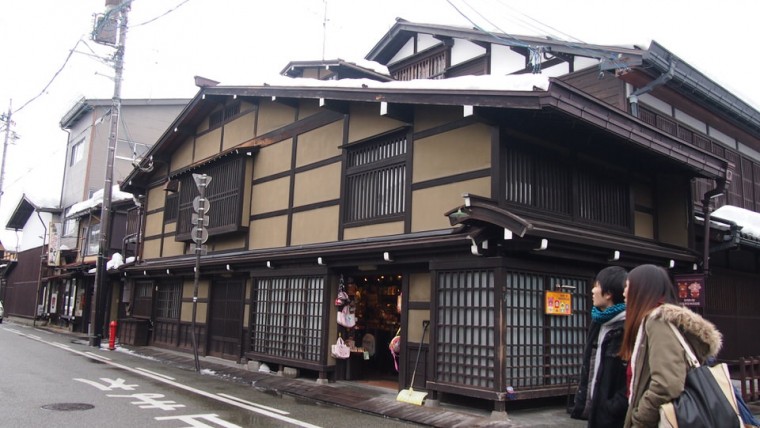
(601, 396)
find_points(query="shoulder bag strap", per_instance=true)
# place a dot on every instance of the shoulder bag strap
(693, 361)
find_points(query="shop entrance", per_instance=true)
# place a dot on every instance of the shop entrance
(376, 300)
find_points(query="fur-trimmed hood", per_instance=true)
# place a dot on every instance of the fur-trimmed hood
(691, 324)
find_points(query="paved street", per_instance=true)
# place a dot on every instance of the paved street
(52, 380)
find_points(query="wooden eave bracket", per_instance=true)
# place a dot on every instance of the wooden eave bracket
(401, 112)
(334, 105)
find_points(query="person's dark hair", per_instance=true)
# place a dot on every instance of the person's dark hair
(612, 280)
(649, 286)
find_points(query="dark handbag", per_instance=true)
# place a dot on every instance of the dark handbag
(707, 399)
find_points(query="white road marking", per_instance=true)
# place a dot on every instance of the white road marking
(154, 373)
(175, 384)
(250, 403)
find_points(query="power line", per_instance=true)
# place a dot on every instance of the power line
(68, 57)
(161, 16)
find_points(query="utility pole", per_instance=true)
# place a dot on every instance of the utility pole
(7, 119)
(98, 303)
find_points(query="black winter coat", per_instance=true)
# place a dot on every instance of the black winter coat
(609, 403)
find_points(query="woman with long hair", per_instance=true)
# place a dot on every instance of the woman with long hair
(657, 362)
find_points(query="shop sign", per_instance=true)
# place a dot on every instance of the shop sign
(690, 290)
(558, 303)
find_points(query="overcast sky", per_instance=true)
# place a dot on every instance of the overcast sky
(244, 41)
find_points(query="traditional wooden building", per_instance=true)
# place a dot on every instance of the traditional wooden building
(489, 179)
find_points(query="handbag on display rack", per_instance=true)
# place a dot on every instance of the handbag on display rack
(346, 317)
(340, 349)
(707, 399)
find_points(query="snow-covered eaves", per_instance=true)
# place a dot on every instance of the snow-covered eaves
(28, 205)
(97, 201)
(747, 221)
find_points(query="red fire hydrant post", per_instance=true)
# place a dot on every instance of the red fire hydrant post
(112, 336)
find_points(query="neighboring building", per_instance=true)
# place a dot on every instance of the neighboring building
(493, 177)
(72, 235)
(22, 278)
(88, 123)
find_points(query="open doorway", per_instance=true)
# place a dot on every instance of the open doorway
(376, 300)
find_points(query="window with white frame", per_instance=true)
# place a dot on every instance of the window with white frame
(77, 152)
(70, 227)
(93, 238)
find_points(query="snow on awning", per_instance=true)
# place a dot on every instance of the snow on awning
(97, 200)
(748, 220)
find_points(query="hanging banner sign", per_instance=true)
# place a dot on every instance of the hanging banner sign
(558, 303)
(690, 290)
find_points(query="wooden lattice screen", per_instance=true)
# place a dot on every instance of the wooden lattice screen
(286, 318)
(465, 348)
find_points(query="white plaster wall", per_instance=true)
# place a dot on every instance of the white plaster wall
(406, 51)
(505, 61)
(425, 41)
(556, 70)
(464, 50)
(723, 138)
(656, 104)
(34, 231)
(691, 121)
(748, 151)
(581, 62)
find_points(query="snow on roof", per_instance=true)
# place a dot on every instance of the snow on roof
(521, 82)
(749, 220)
(97, 200)
(370, 65)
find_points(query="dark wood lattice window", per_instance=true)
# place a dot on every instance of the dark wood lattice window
(537, 181)
(543, 350)
(429, 64)
(465, 344)
(225, 196)
(168, 300)
(143, 301)
(171, 207)
(286, 318)
(603, 199)
(224, 115)
(376, 179)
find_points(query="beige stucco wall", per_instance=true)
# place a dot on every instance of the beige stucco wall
(319, 144)
(365, 122)
(272, 159)
(172, 247)
(183, 155)
(268, 233)
(152, 248)
(308, 108)
(153, 223)
(457, 151)
(156, 198)
(643, 225)
(273, 115)
(317, 185)
(419, 287)
(186, 314)
(227, 243)
(170, 227)
(429, 205)
(313, 226)
(270, 196)
(239, 130)
(672, 211)
(380, 229)
(208, 144)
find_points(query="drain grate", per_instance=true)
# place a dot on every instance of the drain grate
(65, 407)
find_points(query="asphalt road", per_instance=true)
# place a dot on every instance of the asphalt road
(50, 380)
